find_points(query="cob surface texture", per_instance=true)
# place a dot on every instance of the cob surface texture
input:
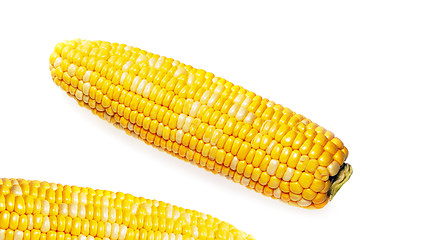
(204, 119)
(34, 210)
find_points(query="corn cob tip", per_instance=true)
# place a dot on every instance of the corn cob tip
(342, 177)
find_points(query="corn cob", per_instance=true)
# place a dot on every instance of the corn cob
(34, 210)
(204, 119)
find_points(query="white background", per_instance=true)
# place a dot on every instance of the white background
(369, 71)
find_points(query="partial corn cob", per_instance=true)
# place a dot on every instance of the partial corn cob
(34, 210)
(204, 119)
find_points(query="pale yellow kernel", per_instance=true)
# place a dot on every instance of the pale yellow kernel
(126, 66)
(147, 89)
(86, 88)
(273, 165)
(114, 231)
(187, 124)
(141, 86)
(194, 110)
(135, 84)
(18, 235)
(181, 120)
(272, 145)
(179, 136)
(241, 114)
(250, 118)
(72, 69)
(141, 58)
(180, 71)
(233, 110)
(288, 174)
(213, 99)
(239, 98)
(304, 203)
(206, 96)
(333, 168)
(87, 76)
(73, 210)
(234, 163)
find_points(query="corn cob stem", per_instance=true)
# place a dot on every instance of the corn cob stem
(202, 118)
(34, 210)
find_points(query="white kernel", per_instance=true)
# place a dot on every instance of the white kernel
(90, 237)
(245, 181)
(213, 99)
(63, 209)
(187, 123)
(135, 83)
(195, 231)
(277, 193)
(81, 213)
(86, 88)
(190, 79)
(194, 110)
(122, 234)
(219, 89)
(57, 62)
(73, 209)
(128, 48)
(18, 235)
(156, 203)
(179, 237)
(82, 198)
(30, 222)
(271, 146)
(72, 69)
(241, 114)
(160, 129)
(233, 110)
(234, 163)
(134, 208)
(288, 174)
(85, 98)
(273, 165)
(45, 207)
(179, 136)
(171, 236)
(2, 234)
(181, 119)
(115, 230)
(79, 94)
(160, 62)
(104, 201)
(123, 77)
(186, 216)
(250, 118)
(206, 96)
(147, 89)
(333, 168)
(126, 66)
(304, 203)
(239, 98)
(169, 211)
(270, 104)
(104, 214)
(165, 236)
(112, 215)
(175, 63)
(46, 224)
(176, 214)
(180, 71)
(141, 86)
(107, 229)
(130, 126)
(141, 58)
(16, 190)
(152, 61)
(247, 101)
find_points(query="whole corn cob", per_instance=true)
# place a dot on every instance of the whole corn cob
(34, 210)
(205, 119)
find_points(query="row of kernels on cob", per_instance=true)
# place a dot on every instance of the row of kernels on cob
(206, 119)
(40, 210)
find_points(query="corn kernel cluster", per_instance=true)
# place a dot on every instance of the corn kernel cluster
(34, 210)
(202, 118)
